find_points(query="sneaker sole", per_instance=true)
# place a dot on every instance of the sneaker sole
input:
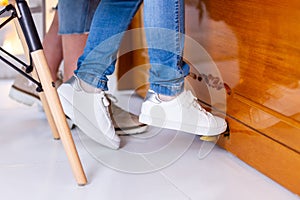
(146, 119)
(132, 130)
(23, 97)
(86, 127)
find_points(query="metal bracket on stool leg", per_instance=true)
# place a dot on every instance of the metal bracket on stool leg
(28, 26)
(28, 67)
(7, 9)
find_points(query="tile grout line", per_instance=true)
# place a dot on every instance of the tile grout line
(168, 179)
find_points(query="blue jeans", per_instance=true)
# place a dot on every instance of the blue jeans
(164, 26)
(75, 16)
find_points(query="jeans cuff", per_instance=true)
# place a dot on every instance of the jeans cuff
(169, 90)
(93, 80)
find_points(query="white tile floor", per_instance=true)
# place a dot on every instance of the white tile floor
(158, 165)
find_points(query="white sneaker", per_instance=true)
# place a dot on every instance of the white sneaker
(182, 113)
(24, 91)
(125, 123)
(89, 112)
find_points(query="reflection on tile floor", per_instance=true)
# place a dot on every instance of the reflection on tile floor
(162, 164)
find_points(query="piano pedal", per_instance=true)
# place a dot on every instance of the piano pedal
(215, 138)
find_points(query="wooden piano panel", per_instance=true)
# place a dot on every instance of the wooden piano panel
(256, 46)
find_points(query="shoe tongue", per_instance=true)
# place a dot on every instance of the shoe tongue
(188, 96)
(88, 88)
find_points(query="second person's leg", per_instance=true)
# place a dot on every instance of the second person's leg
(75, 17)
(167, 104)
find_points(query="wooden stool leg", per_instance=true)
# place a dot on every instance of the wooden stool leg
(35, 76)
(49, 116)
(51, 95)
(50, 100)
(47, 110)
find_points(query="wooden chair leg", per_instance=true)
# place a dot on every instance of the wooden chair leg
(35, 76)
(47, 110)
(49, 96)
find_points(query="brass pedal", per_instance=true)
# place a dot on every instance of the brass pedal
(214, 138)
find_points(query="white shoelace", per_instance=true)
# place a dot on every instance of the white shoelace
(196, 105)
(104, 100)
(105, 103)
